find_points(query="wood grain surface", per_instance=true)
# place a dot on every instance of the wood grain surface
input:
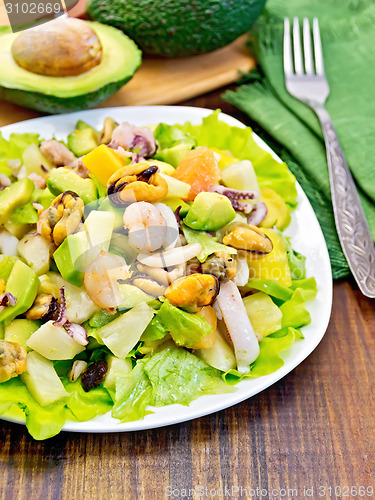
(312, 430)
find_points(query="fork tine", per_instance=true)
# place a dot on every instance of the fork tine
(298, 64)
(288, 61)
(318, 48)
(309, 66)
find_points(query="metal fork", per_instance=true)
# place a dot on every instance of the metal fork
(307, 82)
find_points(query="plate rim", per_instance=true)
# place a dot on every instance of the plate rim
(113, 425)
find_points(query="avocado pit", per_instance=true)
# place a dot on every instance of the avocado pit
(63, 47)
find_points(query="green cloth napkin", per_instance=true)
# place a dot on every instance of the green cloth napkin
(348, 39)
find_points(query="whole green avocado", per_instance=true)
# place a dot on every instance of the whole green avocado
(174, 28)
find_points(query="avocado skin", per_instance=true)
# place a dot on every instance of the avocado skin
(175, 28)
(54, 105)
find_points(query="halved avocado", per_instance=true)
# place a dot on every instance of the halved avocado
(120, 59)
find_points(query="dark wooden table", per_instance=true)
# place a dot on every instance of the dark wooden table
(311, 435)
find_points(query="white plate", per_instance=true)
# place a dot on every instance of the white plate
(307, 238)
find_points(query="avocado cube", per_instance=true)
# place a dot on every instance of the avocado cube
(64, 179)
(23, 283)
(81, 125)
(106, 206)
(14, 196)
(210, 212)
(44, 197)
(20, 330)
(68, 257)
(18, 230)
(82, 141)
(174, 203)
(174, 155)
(42, 381)
(6, 265)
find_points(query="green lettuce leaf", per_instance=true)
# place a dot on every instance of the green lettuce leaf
(269, 359)
(172, 375)
(15, 146)
(155, 330)
(240, 142)
(133, 393)
(272, 288)
(209, 245)
(296, 260)
(87, 405)
(186, 329)
(177, 376)
(307, 287)
(42, 423)
(294, 310)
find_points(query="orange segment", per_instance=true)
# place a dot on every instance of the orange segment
(199, 168)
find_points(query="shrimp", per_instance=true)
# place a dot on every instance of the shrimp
(147, 226)
(101, 277)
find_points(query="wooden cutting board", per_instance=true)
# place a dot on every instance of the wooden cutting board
(163, 81)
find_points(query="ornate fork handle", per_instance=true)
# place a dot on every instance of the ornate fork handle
(351, 224)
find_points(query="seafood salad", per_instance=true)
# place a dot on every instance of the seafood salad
(142, 267)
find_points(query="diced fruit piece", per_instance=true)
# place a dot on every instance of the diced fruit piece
(79, 306)
(226, 157)
(64, 179)
(42, 380)
(20, 330)
(208, 340)
(68, 258)
(176, 188)
(209, 212)
(175, 154)
(23, 283)
(78, 250)
(164, 168)
(120, 246)
(102, 162)
(132, 296)
(53, 342)
(35, 161)
(121, 334)
(14, 196)
(81, 125)
(240, 175)
(199, 168)
(43, 196)
(274, 265)
(35, 250)
(81, 142)
(116, 366)
(174, 203)
(6, 265)
(264, 315)
(106, 206)
(99, 228)
(18, 230)
(24, 215)
(220, 355)
(8, 243)
(277, 211)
